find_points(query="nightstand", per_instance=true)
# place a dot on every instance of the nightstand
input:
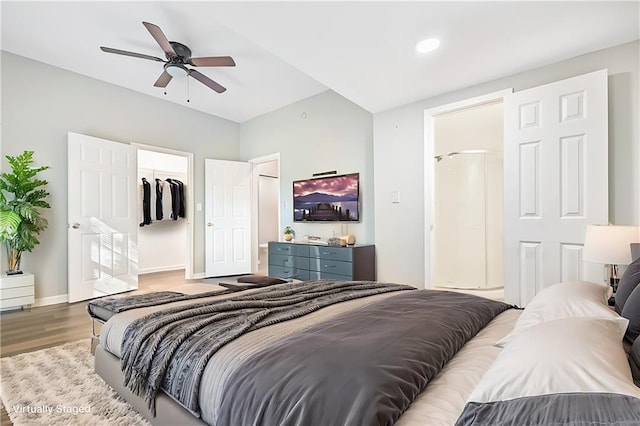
(16, 291)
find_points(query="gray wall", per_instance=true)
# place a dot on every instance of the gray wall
(321, 133)
(41, 103)
(399, 156)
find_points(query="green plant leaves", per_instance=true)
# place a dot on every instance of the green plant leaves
(22, 195)
(9, 222)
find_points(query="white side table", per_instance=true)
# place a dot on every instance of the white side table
(16, 291)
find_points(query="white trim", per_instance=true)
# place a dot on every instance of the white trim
(254, 205)
(51, 300)
(189, 267)
(198, 276)
(429, 115)
(160, 269)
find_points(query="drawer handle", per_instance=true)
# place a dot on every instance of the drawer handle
(329, 252)
(329, 266)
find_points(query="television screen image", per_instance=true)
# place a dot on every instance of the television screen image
(327, 199)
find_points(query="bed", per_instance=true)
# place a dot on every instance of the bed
(362, 359)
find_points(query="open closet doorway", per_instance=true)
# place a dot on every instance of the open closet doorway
(165, 209)
(265, 205)
(464, 163)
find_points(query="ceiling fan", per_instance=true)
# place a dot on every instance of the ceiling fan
(178, 56)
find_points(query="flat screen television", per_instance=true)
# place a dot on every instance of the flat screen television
(327, 199)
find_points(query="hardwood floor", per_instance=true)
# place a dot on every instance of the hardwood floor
(47, 326)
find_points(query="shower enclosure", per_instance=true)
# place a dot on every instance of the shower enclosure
(467, 233)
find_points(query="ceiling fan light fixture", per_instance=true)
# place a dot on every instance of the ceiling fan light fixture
(176, 70)
(427, 45)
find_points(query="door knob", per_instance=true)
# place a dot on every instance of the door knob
(209, 224)
(75, 225)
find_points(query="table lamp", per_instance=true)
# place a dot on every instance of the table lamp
(610, 245)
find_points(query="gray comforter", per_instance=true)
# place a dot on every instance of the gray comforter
(364, 366)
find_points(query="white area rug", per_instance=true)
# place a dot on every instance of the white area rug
(57, 386)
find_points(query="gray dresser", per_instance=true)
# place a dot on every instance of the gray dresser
(313, 262)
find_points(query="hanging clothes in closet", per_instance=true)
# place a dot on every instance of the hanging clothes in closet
(165, 202)
(146, 202)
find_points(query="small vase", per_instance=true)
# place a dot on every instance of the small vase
(288, 237)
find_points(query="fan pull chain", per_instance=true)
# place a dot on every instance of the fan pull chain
(188, 95)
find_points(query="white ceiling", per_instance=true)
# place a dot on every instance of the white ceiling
(287, 51)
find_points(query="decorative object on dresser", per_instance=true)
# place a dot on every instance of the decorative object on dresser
(349, 239)
(22, 195)
(312, 262)
(609, 244)
(335, 242)
(288, 233)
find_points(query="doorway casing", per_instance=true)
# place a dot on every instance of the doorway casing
(254, 204)
(189, 266)
(429, 170)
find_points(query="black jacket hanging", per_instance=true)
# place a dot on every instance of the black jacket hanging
(146, 202)
(181, 210)
(175, 199)
(159, 214)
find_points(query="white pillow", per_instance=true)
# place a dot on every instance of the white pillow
(561, 356)
(564, 300)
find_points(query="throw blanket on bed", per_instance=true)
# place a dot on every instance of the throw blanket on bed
(171, 348)
(121, 304)
(576, 409)
(364, 367)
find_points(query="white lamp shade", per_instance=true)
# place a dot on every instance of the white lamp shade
(610, 244)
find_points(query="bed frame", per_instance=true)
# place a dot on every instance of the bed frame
(168, 412)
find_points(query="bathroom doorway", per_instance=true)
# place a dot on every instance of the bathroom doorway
(466, 238)
(266, 208)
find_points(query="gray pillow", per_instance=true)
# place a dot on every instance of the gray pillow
(634, 361)
(630, 279)
(631, 311)
(261, 281)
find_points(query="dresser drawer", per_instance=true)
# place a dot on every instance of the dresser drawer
(331, 266)
(18, 280)
(16, 302)
(289, 249)
(332, 253)
(317, 275)
(288, 261)
(10, 293)
(288, 273)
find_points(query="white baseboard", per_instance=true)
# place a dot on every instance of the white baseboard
(160, 269)
(51, 300)
(198, 276)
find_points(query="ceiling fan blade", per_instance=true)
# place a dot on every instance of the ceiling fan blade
(213, 61)
(160, 38)
(163, 80)
(126, 53)
(206, 81)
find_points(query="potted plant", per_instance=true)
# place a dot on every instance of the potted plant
(22, 196)
(288, 233)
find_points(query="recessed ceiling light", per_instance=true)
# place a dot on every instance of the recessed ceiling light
(427, 45)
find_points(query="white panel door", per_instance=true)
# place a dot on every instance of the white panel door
(555, 174)
(103, 233)
(227, 218)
